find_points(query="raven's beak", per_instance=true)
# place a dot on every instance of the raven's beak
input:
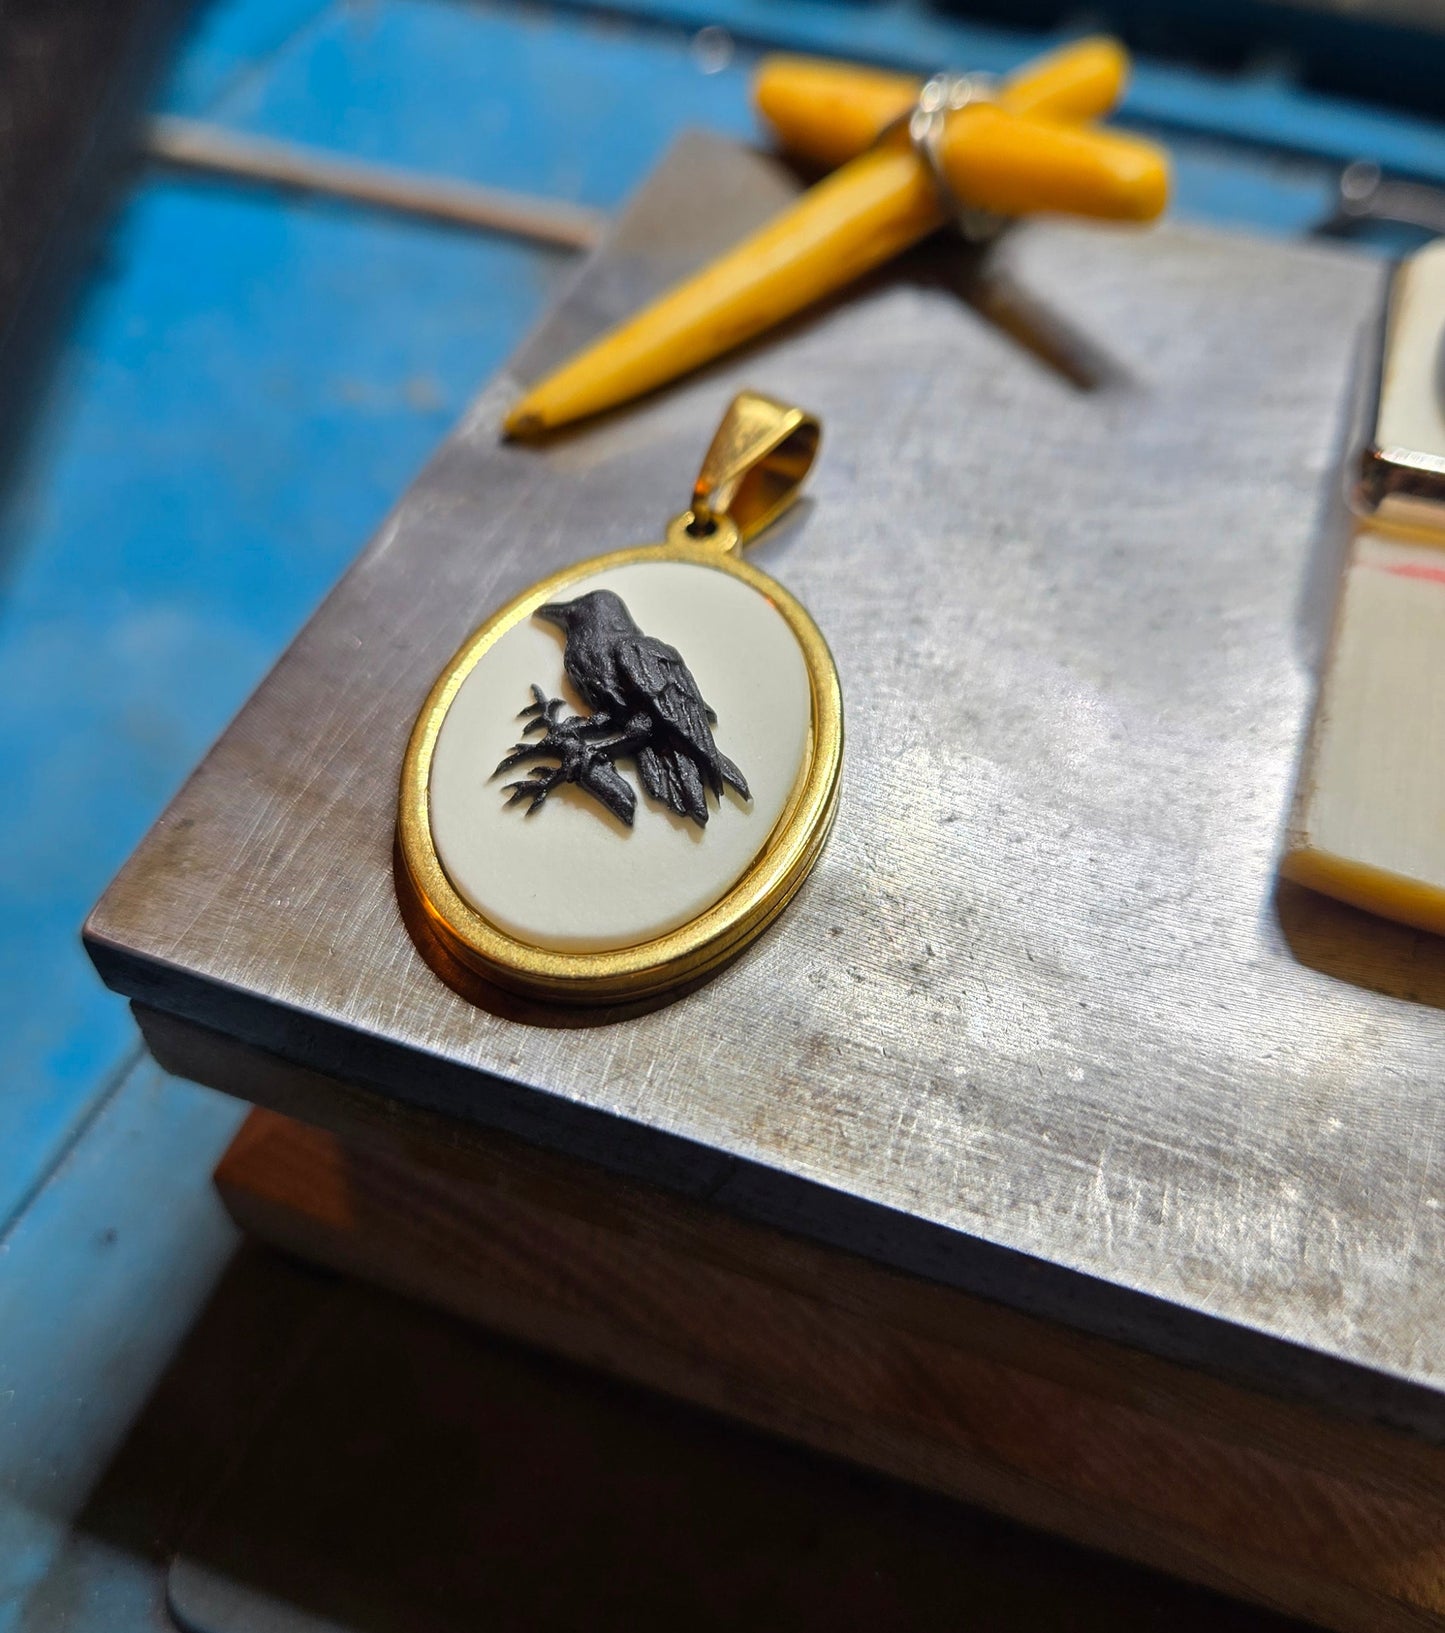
(555, 612)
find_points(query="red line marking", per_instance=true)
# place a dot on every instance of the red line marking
(1405, 569)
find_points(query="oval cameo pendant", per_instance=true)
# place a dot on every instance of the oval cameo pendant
(625, 774)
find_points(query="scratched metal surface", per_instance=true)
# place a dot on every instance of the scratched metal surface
(1039, 1023)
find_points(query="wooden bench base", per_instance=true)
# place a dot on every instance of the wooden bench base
(1340, 1524)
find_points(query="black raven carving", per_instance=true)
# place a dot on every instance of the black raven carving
(644, 703)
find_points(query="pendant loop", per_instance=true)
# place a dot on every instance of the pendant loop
(753, 471)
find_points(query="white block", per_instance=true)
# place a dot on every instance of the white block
(1369, 817)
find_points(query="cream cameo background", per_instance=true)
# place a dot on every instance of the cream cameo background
(1412, 395)
(570, 877)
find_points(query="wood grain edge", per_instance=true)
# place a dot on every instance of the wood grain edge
(1073, 1435)
(1394, 1463)
(461, 1233)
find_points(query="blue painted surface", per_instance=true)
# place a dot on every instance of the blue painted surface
(230, 44)
(251, 386)
(98, 1284)
(518, 98)
(250, 383)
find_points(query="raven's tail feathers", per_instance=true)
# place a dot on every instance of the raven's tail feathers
(732, 776)
(672, 777)
(693, 794)
(675, 778)
(653, 771)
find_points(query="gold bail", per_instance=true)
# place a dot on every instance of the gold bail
(755, 467)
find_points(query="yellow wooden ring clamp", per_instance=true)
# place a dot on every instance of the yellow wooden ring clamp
(1023, 152)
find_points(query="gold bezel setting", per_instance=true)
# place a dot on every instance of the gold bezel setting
(697, 948)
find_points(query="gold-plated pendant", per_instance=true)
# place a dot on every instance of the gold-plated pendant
(674, 769)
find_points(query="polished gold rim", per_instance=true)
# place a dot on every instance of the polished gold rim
(696, 948)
